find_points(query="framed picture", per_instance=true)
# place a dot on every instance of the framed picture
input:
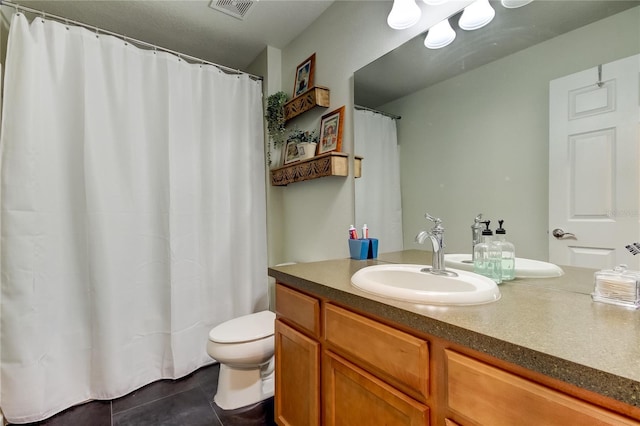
(331, 131)
(304, 75)
(291, 153)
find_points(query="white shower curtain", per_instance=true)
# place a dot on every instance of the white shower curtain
(378, 198)
(133, 215)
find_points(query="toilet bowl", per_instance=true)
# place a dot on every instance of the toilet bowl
(244, 347)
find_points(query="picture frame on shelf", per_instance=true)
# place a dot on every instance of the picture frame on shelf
(291, 153)
(305, 73)
(331, 126)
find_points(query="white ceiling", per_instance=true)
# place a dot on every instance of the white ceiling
(192, 27)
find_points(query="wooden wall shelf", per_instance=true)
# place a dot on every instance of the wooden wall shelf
(329, 164)
(316, 96)
(357, 169)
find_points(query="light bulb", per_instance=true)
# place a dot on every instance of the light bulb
(440, 35)
(435, 2)
(476, 15)
(404, 14)
(512, 4)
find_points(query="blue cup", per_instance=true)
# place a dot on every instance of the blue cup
(363, 248)
(359, 249)
(373, 248)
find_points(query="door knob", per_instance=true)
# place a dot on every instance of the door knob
(560, 234)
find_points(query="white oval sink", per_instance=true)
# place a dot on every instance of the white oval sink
(408, 283)
(524, 268)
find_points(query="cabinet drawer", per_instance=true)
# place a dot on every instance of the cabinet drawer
(298, 308)
(354, 397)
(490, 396)
(398, 358)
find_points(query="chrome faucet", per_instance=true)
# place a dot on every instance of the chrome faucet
(476, 235)
(436, 235)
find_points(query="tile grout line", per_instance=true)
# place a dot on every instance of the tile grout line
(210, 403)
(147, 403)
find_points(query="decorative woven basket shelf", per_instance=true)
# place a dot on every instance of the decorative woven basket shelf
(316, 96)
(329, 164)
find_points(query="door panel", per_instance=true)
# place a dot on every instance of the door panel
(354, 397)
(297, 396)
(593, 166)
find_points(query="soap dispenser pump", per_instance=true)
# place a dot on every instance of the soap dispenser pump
(508, 251)
(487, 256)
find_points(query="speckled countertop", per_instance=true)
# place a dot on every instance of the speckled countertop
(547, 325)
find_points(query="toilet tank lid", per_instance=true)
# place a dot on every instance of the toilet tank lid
(243, 329)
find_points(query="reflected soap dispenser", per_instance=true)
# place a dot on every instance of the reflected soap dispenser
(476, 234)
(508, 251)
(487, 256)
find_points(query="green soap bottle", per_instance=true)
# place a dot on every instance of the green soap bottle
(487, 256)
(508, 253)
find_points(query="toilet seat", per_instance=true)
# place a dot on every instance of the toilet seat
(244, 329)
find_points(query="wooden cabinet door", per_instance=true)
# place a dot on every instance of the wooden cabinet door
(354, 397)
(297, 393)
(398, 358)
(493, 397)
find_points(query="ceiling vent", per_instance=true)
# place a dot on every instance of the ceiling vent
(239, 9)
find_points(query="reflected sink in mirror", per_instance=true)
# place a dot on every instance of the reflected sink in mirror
(408, 283)
(525, 268)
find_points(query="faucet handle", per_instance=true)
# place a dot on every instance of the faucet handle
(438, 223)
(435, 220)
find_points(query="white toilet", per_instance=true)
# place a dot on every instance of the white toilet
(244, 347)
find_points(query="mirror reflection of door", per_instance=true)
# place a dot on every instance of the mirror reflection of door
(593, 166)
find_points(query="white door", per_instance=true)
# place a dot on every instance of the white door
(593, 166)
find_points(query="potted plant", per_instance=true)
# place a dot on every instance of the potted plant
(275, 121)
(307, 141)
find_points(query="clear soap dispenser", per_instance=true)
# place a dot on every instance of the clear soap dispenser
(508, 251)
(487, 256)
(476, 231)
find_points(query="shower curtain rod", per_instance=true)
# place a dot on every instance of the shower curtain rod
(190, 58)
(364, 108)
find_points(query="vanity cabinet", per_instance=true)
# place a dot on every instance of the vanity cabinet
(371, 373)
(297, 358)
(398, 358)
(487, 395)
(337, 366)
(352, 396)
(297, 400)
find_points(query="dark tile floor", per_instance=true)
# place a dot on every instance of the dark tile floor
(183, 402)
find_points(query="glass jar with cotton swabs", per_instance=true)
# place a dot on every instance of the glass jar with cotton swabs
(617, 286)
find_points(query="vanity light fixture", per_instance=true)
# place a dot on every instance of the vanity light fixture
(513, 4)
(476, 15)
(435, 2)
(440, 35)
(404, 14)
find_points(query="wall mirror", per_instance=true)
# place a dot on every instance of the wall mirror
(474, 133)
